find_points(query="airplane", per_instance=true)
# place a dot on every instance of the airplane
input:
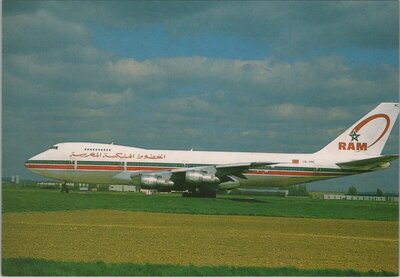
(203, 173)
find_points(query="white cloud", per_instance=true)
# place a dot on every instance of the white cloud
(95, 98)
(260, 134)
(289, 111)
(57, 84)
(85, 113)
(130, 70)
(40, 32)
(328, 78)
(190, 105)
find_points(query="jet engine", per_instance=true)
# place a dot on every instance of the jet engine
(201, 177)
(155, 182)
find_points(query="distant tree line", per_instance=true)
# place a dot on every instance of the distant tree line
(299, 190)
(379, 192)
(353, 191)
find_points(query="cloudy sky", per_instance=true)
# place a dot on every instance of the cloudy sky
(237, 76)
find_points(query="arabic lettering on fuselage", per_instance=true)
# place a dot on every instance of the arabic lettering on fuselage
(118, 155)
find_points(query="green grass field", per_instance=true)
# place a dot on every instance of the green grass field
(24, 199)
(17, 199)
(40, 267)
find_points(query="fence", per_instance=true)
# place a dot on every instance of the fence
(361, 197)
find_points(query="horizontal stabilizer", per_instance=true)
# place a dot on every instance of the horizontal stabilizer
(370, 163)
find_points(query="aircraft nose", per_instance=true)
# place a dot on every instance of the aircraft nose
(28, 163)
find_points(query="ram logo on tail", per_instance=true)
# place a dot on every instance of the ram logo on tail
(355, 134)
(367, 136)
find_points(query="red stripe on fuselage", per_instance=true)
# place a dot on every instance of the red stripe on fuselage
(50, 166)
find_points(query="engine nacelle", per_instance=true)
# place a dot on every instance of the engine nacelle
(154, 182)
(199, 177)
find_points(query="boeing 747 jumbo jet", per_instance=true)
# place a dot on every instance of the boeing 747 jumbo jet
(203, 173)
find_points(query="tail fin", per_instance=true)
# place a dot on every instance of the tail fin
(367, 136)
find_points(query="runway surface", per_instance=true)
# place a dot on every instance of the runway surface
(140, 237)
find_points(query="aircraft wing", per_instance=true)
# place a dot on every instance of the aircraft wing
(221, 171)
(237, 169)
(370, 163)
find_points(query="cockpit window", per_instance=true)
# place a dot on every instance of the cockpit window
(54, 147)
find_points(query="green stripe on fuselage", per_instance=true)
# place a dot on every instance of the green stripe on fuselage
(49, 162)
(99, 163)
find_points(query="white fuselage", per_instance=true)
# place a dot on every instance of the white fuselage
(356, 150)
(103, 163)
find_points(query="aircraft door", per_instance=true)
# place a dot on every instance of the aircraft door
(73, 163)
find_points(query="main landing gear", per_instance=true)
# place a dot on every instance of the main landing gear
(64, 187)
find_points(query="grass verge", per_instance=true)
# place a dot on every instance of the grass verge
(36, 267)
(20, 199)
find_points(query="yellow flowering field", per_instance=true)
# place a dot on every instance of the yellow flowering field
(160, 238)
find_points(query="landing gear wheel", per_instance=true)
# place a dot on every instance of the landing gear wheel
(64, 188)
